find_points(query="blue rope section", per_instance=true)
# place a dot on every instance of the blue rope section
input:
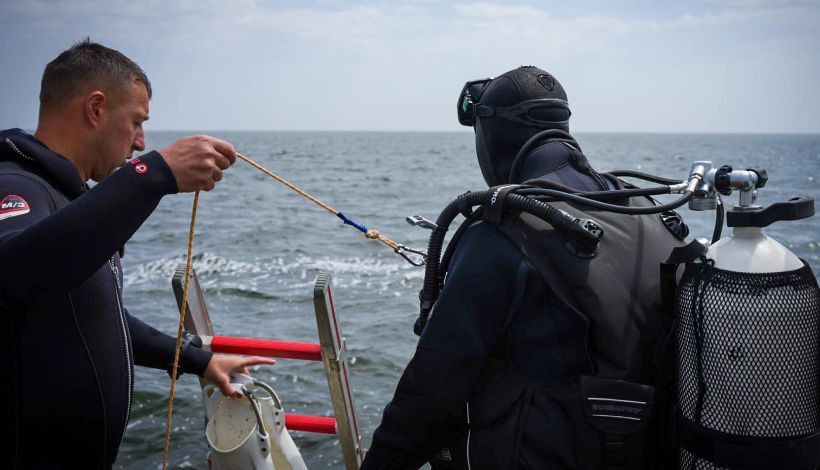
(352, 222)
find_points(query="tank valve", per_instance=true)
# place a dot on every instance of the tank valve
(704, 197)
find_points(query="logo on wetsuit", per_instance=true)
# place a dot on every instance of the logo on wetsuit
(13, 205)
(139, 167)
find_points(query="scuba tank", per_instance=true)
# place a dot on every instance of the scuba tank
(248, 433)
(747, 344)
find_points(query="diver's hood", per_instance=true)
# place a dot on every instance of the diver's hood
(498, 139)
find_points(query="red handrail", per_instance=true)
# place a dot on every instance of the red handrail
(284, 350)
(320, 424)
(267, 347)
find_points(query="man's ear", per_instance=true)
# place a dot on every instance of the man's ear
(93, 107)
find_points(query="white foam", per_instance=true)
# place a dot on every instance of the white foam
(215, 271)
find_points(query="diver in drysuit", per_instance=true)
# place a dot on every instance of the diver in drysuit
(533, 357)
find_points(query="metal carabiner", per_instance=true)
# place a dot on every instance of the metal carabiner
(402, 250)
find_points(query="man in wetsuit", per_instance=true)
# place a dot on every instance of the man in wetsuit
(526, 333)
(69, 343)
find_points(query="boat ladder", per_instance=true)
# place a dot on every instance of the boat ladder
(330, 350)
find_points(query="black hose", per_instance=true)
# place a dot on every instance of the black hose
(430, 289)
(718, 219)
(612, 207)
(584, 240)
(444, 266)
(550, 135)
(605, 195)
(563, 223)
(554, 217)
(448, 252)
(644, 176)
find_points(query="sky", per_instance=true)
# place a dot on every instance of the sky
(735, 66)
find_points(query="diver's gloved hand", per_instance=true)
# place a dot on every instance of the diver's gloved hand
(221, 366)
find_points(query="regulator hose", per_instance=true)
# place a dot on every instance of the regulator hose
(719, 215)
(579, 232)
(582, 234)
(599, 195)
(586, 201)
(542, 137)
(644, 176)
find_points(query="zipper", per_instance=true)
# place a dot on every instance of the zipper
(18, 151)
(127, 344)
(123, 325)
(468, 437)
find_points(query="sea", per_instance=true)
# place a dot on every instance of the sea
(259, 247)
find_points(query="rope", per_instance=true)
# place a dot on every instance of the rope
(288, 184)
(372, 234)
(182, 311)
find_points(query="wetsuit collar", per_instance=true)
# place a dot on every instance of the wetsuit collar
(16, 144)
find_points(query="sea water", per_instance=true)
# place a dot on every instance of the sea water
(259, 247)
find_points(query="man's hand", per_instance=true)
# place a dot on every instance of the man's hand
(219, 370)
(197, 161)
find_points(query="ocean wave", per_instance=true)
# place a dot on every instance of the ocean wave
(204, 263)
(229, 276)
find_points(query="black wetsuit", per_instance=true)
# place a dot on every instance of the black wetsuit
(69, 343)
(494, 305)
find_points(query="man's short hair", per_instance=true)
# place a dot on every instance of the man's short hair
(87, 63)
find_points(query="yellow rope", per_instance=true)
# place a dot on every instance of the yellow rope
(372, 234)
(179, 333)
(287, 183)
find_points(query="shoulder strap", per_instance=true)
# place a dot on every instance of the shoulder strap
(669, 282)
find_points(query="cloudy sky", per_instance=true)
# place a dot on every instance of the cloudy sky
(628, 66)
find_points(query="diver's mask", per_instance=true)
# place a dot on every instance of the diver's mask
(525, 112)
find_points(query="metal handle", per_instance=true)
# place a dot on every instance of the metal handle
(270, 391)
(256, 410)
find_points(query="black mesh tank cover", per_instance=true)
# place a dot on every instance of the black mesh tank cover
(748, 349)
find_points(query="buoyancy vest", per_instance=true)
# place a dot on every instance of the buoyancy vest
(612, 417)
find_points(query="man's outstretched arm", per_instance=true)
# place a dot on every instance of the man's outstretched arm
(59, 251)
(153, 348)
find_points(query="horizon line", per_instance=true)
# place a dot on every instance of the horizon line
(420, 131)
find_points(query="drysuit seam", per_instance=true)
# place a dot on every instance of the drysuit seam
(446, 354)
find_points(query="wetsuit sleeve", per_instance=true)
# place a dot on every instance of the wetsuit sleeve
(467, 323)
(153, 348)
(58, 251)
